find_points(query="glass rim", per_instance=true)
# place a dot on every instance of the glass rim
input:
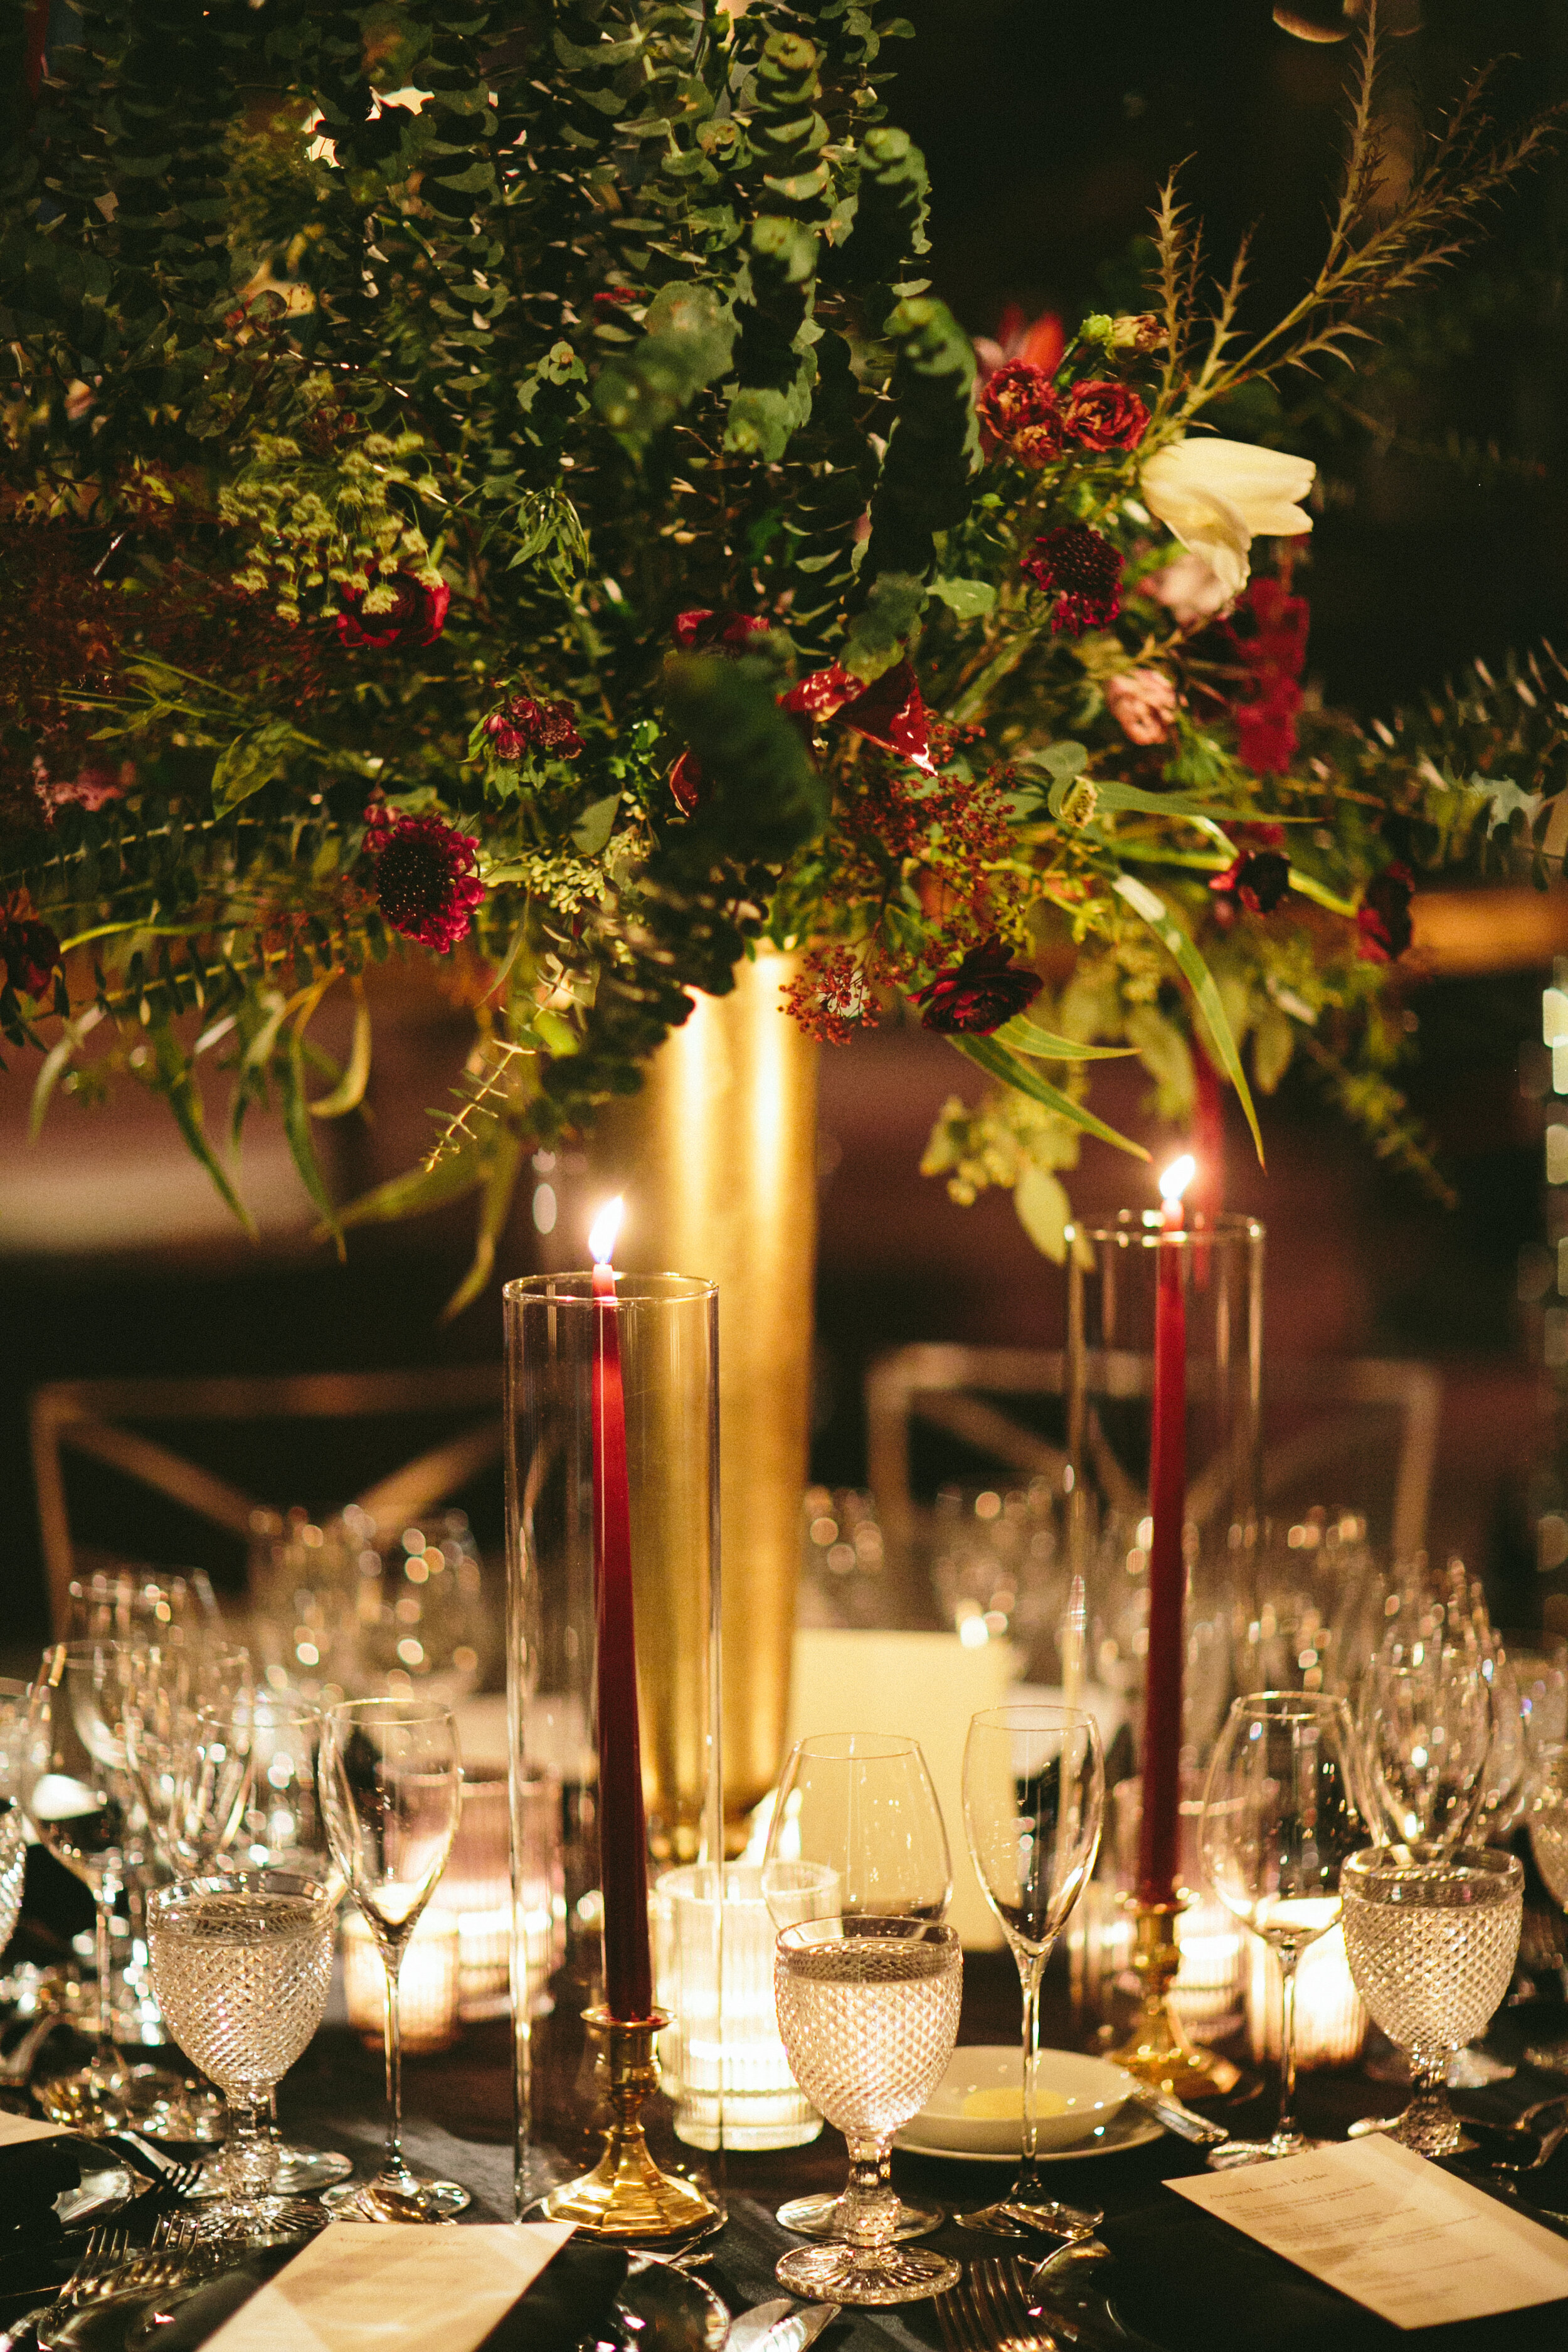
(854, 1747)
(362, 1710)
(1032, 1715)
(1291, 1706)
(575, 1287)
(1376, 1861)
(1129, 1230)
(850, 1924)
(227, 1882)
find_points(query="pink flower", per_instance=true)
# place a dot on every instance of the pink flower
(424, 880)
(1190, 588)
(1144, 703)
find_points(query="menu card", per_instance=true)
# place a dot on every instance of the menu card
(15, 2129)
(1390, 2230)
(366, 2286)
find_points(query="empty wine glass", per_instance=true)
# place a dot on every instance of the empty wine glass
(1426, 1727)
(76, 1789)
(1431, 1945)
(391, 1787)
(1281, 1817)
(141, 1604)
(1547, 1820)
(1034, 1801)
(14, 1698)
(171, 1684)
(867, 2012)
(856, 1829)
(241, 1965)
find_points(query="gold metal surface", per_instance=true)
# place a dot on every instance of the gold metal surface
(626, 2197)
(1158, 2050)
(717, 1157)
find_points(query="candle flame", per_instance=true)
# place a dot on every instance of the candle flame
(602, 1232)
(1173, 1182)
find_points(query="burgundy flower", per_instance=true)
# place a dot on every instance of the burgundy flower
(1265, 729)
(423, 881)
(1269, 632)
(416, 616)
(1103, 414)
(1382, 917)
(702, 632)
(1040, 341)
(890, 711)
(1019, 414)
(1257, 880)
(1083, 572)
(977, 994)
(686, 782)
(30, 952)
(523, 725)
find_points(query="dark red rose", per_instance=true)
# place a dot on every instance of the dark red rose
(978, 994)
(30, 952)
(1019, 414)
(424, 879)
(1257, 880)
(523, 725)
(1103, 414)
(702, 632)
(1083, 572)
(416, 616)
(1382, 917)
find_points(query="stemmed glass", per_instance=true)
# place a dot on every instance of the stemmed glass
(391, 1788)
(14, 1696)
(77, 1791)
(1281, 1817)
(241, 1966)
(1426, 1727)
(1431, 1945)
(1034, 1801)
(856, 1829)
(867, 2012)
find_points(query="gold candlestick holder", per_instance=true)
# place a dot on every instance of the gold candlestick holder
(1158, 2050)
(626, 2197)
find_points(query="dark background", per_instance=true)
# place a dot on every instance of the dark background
(1047, 128)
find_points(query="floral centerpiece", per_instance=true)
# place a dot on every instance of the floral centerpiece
(494, 485)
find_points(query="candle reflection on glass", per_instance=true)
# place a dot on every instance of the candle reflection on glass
(428, 1982)
(1331, 2022)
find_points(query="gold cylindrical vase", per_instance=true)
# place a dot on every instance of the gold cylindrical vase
(717, 1158)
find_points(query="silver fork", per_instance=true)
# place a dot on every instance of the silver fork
(104, 2252)
(998, 2286)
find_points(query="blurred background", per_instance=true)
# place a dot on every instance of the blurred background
(1047, 131)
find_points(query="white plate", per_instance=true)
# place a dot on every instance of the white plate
(1131, 2128)
(1078, 2096)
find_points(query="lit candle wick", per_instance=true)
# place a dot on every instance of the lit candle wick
(605, 1229)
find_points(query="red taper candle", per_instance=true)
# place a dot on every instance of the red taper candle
(622, 1827)
(1162, 1759)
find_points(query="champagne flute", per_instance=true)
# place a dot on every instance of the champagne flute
(77, 1791)
(867, 2012)
(391, 1788)
(1281, 1817)
(241, 1965)
(1034, 1801)
(856, 1829)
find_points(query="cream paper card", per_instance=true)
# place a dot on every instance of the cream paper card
(13, 2129)
(1390, 2230)
(368, 2287)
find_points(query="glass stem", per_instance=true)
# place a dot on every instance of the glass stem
(1286, 2126)
(1031, 1970)
(104, 2060)
(869, 2209)
(393, 1957)
(249, 2147)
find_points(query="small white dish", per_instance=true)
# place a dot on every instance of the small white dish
(978, 2108)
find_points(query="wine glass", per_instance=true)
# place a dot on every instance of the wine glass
(391, 1788)
(141, 1604)
(1431, 1945)
(1426, 1727)
(1281, 1816)
(1548, 1822)
(856, 1829)
(246, 1797)
(1034, 1801)
(77, 1790)
(241, 1966)
(868, 2012)
(14, 1696)
(170, 1685)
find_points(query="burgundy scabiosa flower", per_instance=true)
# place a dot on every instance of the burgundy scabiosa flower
(524, 724)
(1255, 881)
(1082, 571)
(978, 993)
(424, 877)
(416, 617)
(1100, 413)
(1383, 919)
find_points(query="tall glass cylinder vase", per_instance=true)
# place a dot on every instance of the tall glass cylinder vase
(1163, 1657)
(573, 2065)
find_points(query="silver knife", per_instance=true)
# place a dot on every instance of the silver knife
(1170, 2111)
(777, 2327)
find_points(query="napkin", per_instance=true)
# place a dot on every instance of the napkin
(37, 2163)
(361, 2287)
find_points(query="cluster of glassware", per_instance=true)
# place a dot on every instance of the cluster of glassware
(150, 1752)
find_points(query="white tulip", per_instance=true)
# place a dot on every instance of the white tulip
(1217, 497)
